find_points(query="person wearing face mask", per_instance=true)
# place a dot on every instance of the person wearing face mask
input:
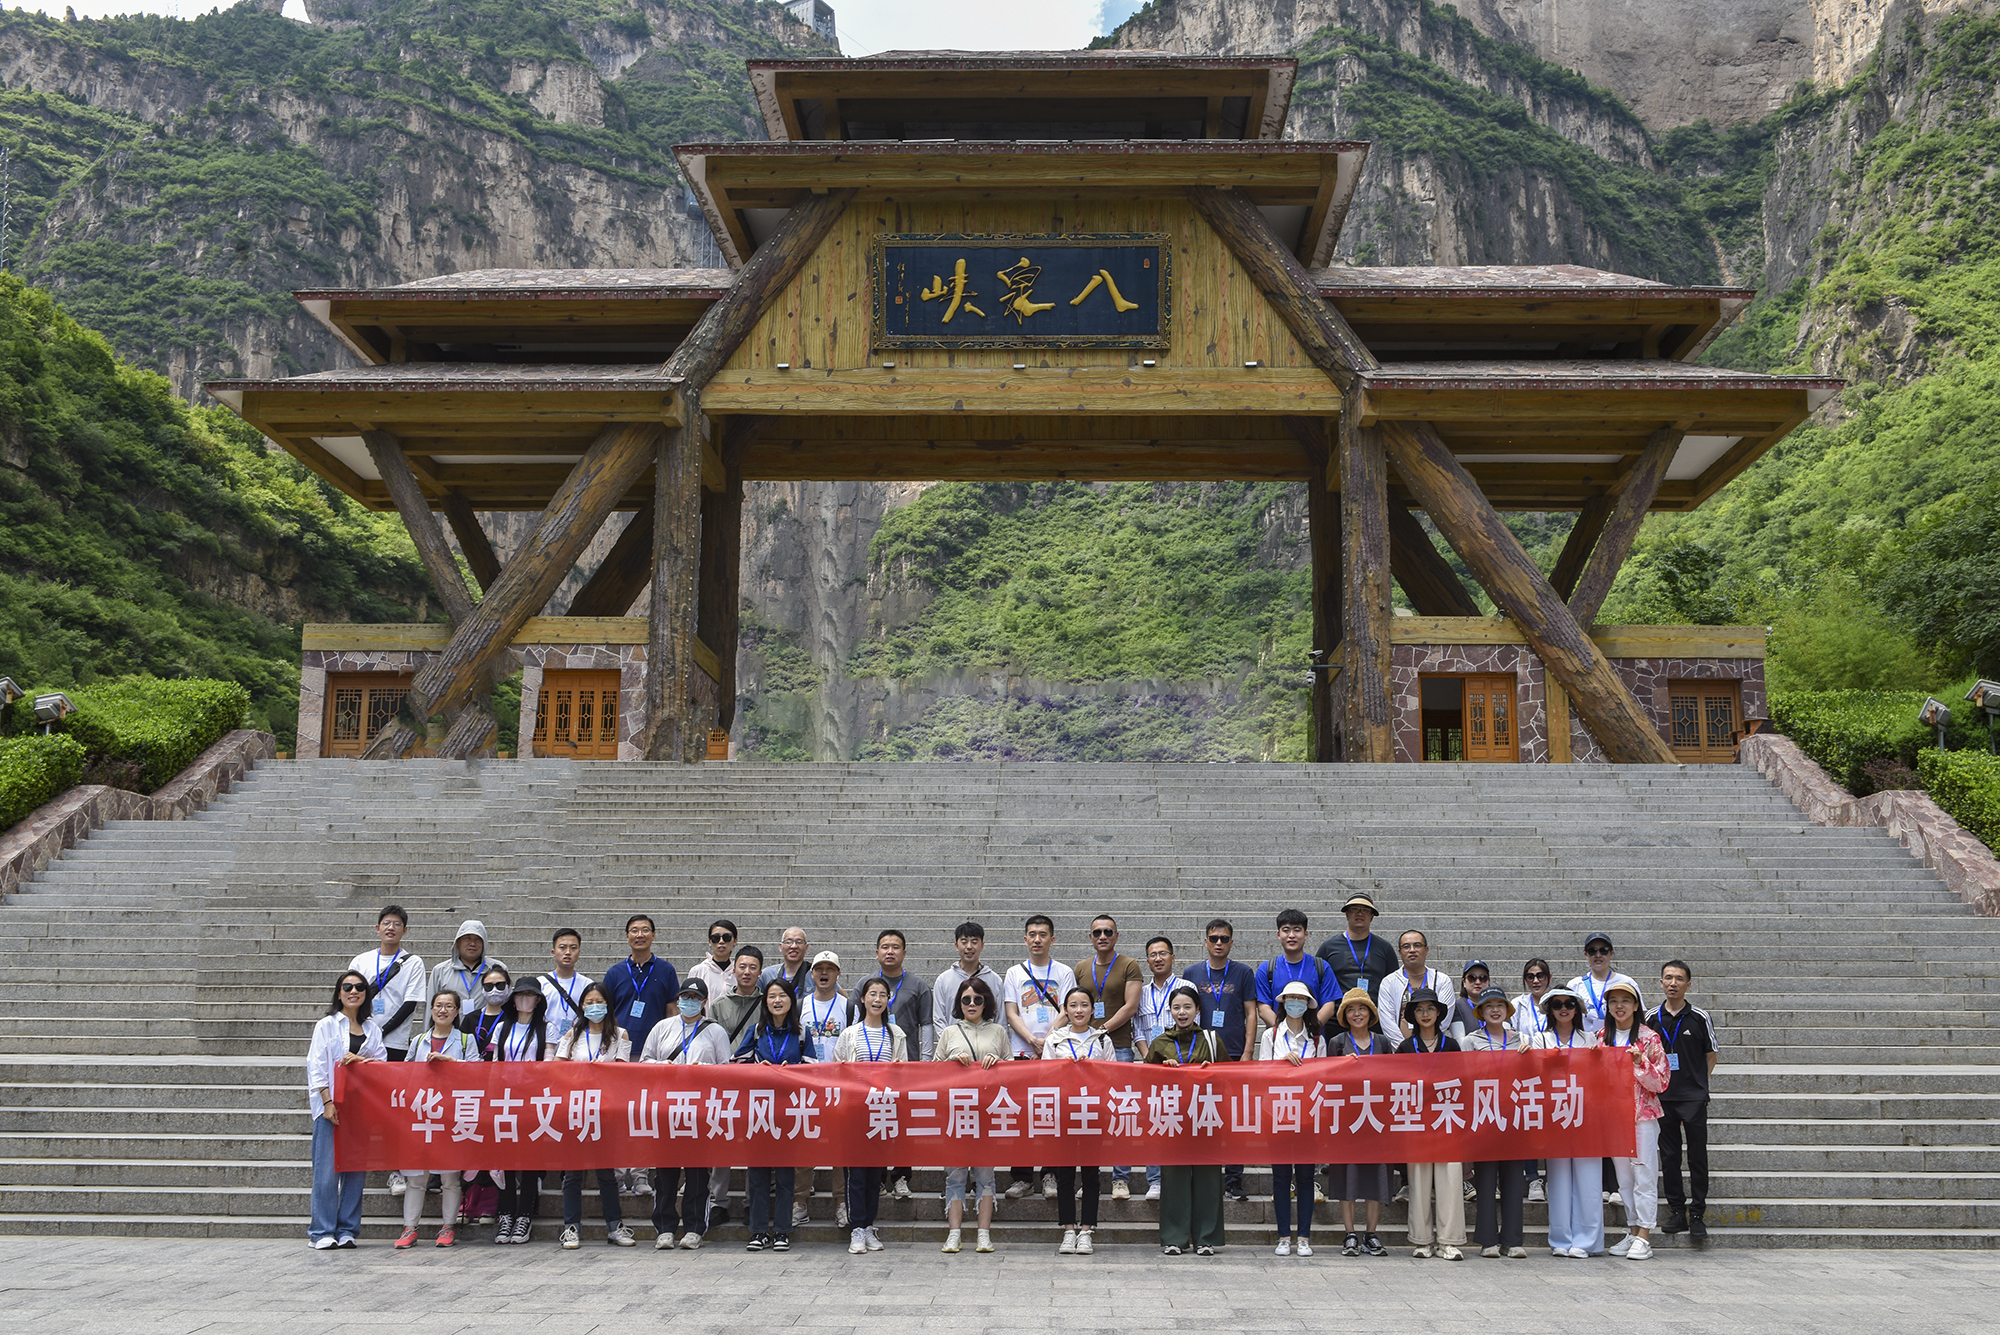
(443, 1042)
(522, 1036)
(593, 1038)
(1295, 1039)
(1437, 1196)
(480, 1201)
(688, 1039)
(774, 1038)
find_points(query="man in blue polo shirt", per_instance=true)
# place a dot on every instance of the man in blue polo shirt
(1229, 1007)
(643, 987)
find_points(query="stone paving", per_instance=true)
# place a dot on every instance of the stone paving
(218, 1287)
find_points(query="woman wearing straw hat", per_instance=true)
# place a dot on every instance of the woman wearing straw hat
(1369, 1182)
(1501, 1183)
(1437, 1191)
(1295, 1039)
(1576, 1205)
(1639, 1175)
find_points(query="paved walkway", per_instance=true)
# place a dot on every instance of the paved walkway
(147, 1287)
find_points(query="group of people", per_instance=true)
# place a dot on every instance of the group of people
(1357, 995)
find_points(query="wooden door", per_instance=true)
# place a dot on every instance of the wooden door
(359, 705)
(1705, 718)
(1490, 725)
(576, 715)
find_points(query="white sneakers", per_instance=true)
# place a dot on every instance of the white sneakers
(571, 1240)
(1305, 1247)
(621, 1237)
(1642, 1250)
(1048, 1186)
(801, 1216)
(397, 1186)
(1076, 1242)
(1422, 1253)
(985, 1241)
(840, 1215)
(1068, 1247)
(1623, 1245)
(663, 1243)
(1579, 1253)
(857, 1242)
(1536, 1191)
(322, 1244)
(874, 1243)
(902, 1189)
(690, 1242)
(1017, 1189)
(1083, 1247)
(1284, 1247)
(1153, 1192)
(1450, 1254)
(951, 1242)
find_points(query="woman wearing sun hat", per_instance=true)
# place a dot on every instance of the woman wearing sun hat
(1295, 1039)
(1357, 1016)
(1576, 1205)
(1638, 1176)
(1437, 1193)
(1502, 1183)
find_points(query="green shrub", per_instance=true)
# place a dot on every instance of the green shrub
(34, 769)
(159, 726)
(1845, 730)
(1967, 785)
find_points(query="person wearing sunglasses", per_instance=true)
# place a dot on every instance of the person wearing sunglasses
(975, 1037)
(1529, 1022)
(346, 1033)
(1576, 1205)
(717, 969)
(1114, 982)
(1228, 991)
(1591, 986)
(1473, 979)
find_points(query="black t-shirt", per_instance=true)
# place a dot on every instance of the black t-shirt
(1360, 964)
(1688, 1038)
(1224, 990)
(354, 1042)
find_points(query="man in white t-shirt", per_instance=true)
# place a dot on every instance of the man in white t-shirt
(823, 1014)
(1033, 996)
(563, 985)
(1590, 984)
(396, 989)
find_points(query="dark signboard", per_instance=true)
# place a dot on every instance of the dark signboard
(1089, 290)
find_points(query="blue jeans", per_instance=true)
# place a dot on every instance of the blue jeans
(1576, 1205)
(336, 1197)
(761, 1183)
(864, 1196)
(1286, 1179)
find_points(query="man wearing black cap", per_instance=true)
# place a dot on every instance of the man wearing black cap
(1359, 957)
(1590, 985)
(688, 1039)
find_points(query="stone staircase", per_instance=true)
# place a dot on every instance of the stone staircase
(160, 979)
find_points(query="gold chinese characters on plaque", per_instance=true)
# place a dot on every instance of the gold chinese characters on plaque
(1082, 290)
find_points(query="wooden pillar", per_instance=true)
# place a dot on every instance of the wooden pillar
(1367, 730)
(617, 583)
(672, 608)
(472, 539)
(1638, 487)
(1472, 527)
(1428, 580)
(478, 731)
(1556, 710)
(717, 621)
(1323, 528)
(1577, 546)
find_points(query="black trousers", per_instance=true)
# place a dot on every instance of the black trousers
(689, 1188)
(522, 1195)
(1501, 1187)
(1676, 1120)
(1066, 1184)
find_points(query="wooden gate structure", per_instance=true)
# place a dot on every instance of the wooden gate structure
(1071, 265)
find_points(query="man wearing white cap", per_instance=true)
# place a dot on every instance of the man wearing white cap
(823, 1015)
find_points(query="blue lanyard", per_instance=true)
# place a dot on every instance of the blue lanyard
(687, 1037)
(484, 1026)
(1360, 957)
(775, 1052)
(1187, 1056)
(1596, 994)
(1072, 1047)
(897, 991)
(875, 1054)
(465, 980)
(1095, 985)
(1157, 1006)
(1357, 1051)
(380, 972)
(1503, 1037)
(812, 1013)
(1674, 1036)
(590, 1050)
(1044, 987)
(568, 996)
(639, 980)
(516, 1042)
(1215, 988)
(1541, 1023)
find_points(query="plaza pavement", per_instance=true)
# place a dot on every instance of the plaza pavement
(82, 1285)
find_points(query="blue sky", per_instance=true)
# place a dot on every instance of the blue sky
(866, 26)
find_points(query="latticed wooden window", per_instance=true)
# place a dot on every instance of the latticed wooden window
(346, 715)
(1703, 720)
(358, 708)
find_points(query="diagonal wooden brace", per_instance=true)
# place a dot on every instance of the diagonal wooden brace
(1639, 485)
(1445, 490)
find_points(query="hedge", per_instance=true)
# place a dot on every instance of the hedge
(1967, 785)
(34, 769)
(1847, 730)
(154, 728)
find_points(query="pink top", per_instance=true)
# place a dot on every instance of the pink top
(1650, 1070)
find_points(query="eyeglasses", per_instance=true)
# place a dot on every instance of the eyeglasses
(1535, 977)
(1220, 939)
(1598, 950)
(354, 987)
(717, 937)
(972, 999)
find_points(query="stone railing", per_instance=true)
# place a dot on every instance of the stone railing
(1966, 865)
(67, 820)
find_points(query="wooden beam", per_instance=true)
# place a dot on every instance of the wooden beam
(1367, 730)
(1432, 585)
(1556, 710)
(717, 619)
(1063, 390)
(617, 583)
(1639, 485)
(472, 539)
(1321, 332)
(673, 604)
(1577, 546)
(1448, 493)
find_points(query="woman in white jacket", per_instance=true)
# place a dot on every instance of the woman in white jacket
(975, 1037)
(1297, 1040)
(347, 1033)
(1078, 1040)
(594, 1038)
(445, 1042)
(874, 1039)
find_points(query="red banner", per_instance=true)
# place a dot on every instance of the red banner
(1462, 1107)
